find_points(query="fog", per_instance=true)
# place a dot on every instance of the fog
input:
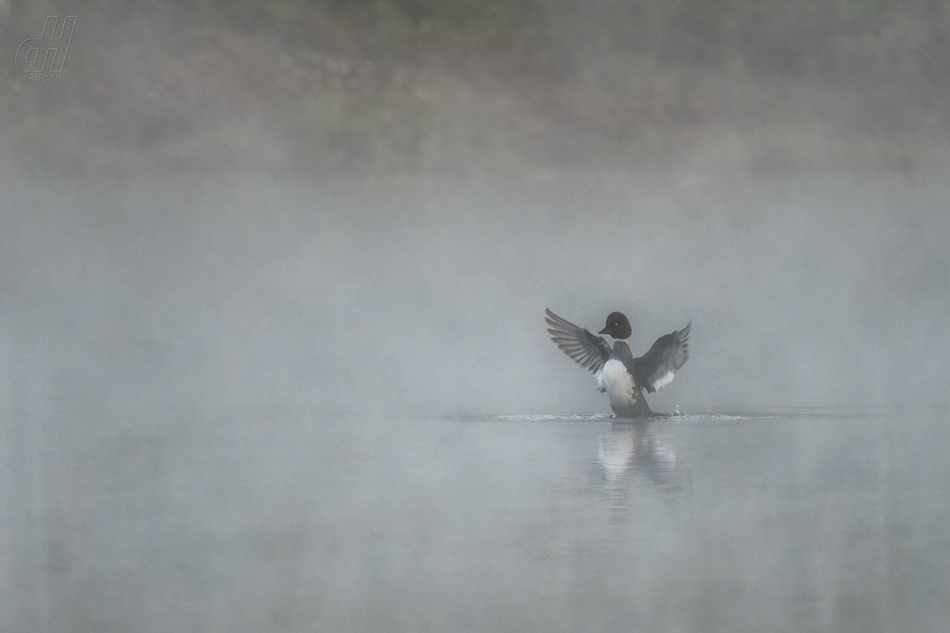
(819, 290)
(267, 272)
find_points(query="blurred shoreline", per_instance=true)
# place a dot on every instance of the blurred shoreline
(414, 89)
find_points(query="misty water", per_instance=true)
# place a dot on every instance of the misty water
(265, 405)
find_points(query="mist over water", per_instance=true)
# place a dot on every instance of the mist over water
(255, 403)
(272, 347)
(428, 296)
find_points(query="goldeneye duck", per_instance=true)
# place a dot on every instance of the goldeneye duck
(617, 372)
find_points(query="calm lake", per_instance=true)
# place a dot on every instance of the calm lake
(283, 520)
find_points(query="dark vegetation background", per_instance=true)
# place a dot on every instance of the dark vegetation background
(481, 86)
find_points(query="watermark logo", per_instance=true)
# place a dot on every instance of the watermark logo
(44, 58)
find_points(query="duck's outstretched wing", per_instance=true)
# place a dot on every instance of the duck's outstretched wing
(656, 368)
(588, 350)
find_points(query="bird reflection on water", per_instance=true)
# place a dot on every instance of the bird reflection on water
(632, 454)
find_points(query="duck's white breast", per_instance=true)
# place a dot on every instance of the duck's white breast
(619, 383)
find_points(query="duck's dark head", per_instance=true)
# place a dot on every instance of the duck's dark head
(617, 326)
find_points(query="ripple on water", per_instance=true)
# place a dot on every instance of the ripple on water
(713, 417)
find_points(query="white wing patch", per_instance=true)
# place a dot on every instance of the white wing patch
(663, 380)
(619, 383)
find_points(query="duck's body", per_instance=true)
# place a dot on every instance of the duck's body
(618, 372)
(618, 377)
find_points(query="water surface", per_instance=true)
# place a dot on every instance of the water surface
(287, 520)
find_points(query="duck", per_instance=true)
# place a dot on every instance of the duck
(618, 373)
